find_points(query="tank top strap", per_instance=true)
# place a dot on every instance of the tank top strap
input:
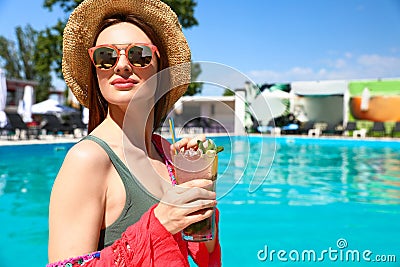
(120, 166)
(157, 139)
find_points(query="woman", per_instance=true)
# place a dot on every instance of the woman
(112, 51)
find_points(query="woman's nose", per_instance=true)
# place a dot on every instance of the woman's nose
(123, 64)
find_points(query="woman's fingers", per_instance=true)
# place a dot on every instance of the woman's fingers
(193, 142)
(197, 212)
(187, 143)
(203, 183)
(179, 144)
(196, 183)
(191, 196)
(189, 191)
(183, 206)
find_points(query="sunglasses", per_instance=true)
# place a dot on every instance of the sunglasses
(105, 57)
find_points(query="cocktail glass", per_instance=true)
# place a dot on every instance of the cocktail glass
(193, 164)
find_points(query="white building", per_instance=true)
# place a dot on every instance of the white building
(209, 114)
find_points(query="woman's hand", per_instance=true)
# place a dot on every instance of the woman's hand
(185, 204)
(187, 143)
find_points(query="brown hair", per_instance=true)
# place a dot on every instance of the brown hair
(97, 104)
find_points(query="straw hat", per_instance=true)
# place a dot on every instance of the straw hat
(79, 35)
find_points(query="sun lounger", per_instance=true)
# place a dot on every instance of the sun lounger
(378, 129)
(360, 133)
(352, 129)
(291, 128)
(317, 129)
(270, 128)
(333, 129)
(16, 126)
(203, 125)
(74, 121)
(396, 129)
(305, 127)
(52, 124)
(351, 126)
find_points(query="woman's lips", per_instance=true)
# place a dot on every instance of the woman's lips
(124, 83)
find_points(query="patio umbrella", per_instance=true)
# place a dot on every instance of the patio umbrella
(3, 98)
(268, 105)
(85, 115)
(365, 97)
(51, 106)
(25, 105)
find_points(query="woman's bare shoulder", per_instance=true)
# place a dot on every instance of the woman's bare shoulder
(87, 160)
(87, 151)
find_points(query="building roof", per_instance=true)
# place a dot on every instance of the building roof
(336, 87)
(207, 98)
(13, 84)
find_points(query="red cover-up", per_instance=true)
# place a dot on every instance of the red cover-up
(147, 243)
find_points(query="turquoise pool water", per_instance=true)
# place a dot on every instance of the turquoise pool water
(319, 195)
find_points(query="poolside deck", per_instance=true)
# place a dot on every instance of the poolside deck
(43, 140)
(71, 139)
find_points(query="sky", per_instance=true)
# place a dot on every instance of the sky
(272, 41)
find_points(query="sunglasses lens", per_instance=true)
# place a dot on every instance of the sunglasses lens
(140, 55)
(105, 57)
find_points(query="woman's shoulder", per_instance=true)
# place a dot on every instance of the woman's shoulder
(86, 158)
(85, 169)
(87, 151)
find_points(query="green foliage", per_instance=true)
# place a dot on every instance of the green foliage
(66, 5)
(21, 60)
(228, 92)
(50, 46)
(26, 40)
(194, 88)
(9, 56)
(184, 9)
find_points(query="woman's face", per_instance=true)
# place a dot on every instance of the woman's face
(119, 84)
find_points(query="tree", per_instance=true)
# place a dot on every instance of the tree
(228, 92)
(20, 60)
(52, 36)
(50, 47)
(184, 9)
(26, 40)
(9, 56)
(194, 88)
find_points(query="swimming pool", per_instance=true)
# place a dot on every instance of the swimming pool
(320, 194)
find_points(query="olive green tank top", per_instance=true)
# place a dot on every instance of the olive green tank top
(138, 199)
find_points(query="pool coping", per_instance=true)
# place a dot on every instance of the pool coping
(72, 139)
(41, 141)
